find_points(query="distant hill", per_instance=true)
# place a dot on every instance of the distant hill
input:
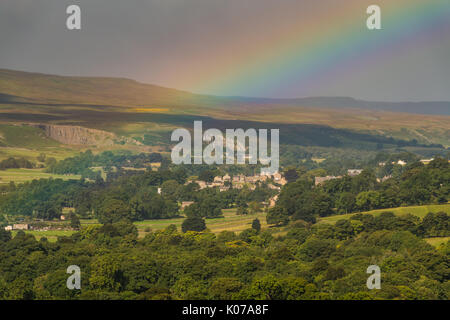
(426, 107)
(130, 108)
(51, 89)
(19, 86)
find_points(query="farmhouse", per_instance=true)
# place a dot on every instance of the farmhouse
(354, 172)
(384, 178)
(21, 226)
(320, 180)
(426, 161)
(185, 204)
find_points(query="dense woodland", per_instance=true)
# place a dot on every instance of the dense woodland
(133, 195)
(415, 184)
(308, 260)
(312, 261)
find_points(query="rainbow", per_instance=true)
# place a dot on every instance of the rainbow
(317, 50)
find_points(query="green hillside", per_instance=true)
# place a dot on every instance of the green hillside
(419, 211)
(24, 137)
(134, 108)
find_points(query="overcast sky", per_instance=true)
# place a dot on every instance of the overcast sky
(197, 45)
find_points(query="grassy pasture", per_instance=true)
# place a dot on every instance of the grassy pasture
(419, 211)
(230, 222)
(51, 235)
(237, 223)
(25, 136)
(24, 175)
(437, 241)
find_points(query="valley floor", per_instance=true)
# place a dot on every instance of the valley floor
(237, 223)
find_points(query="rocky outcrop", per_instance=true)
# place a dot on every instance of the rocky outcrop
(74, 135)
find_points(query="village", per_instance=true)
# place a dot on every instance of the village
(239, 181)
(223, 183)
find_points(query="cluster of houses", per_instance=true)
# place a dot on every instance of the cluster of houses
(37, 225)
(399, 162)
(403, 163)
(350, 172)
(227, 182)
(239, 181)
(27, 226)
(18, 226)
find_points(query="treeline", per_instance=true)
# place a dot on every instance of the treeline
(336, 161)
(81, 163)
(13, 163)
(311, 261)
(418, 184)
(131, 195)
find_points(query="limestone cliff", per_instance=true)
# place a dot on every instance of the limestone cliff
(75, 135)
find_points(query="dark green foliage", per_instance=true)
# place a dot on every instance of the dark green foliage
(75, 222)
(207, 208)
(416, 184)
(311, 262)
(256, 225)
(13, 163)
(82, 162)
(193, 224)
(4, 235)
(291, 175)
(207, 175)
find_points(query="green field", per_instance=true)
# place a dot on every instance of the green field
(237, 223)
(58, 153)
(419, 211)
(51, 235)
(24, 175)
(230, 222)
(436, 242)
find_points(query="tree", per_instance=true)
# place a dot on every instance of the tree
(256, 225)
(113, 210)
(206, 175)
(41, 157)
(193, 224)
(75, 222)
(224, 288)
(105, 273)
(346, 202)
(291, 175)
(267, 288)
(368, 200)
(242, 211)
(4, 235)
(206, 208)
(321, 204)
(277, 215)
(254, 207)
(170, 189)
